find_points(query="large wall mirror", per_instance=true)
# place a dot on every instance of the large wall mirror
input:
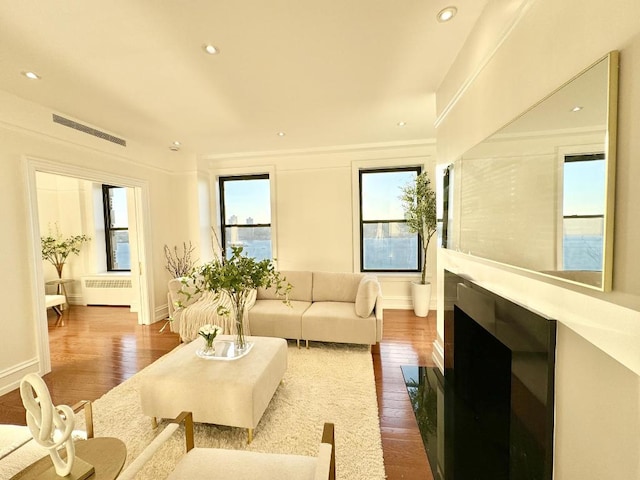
(539, 193)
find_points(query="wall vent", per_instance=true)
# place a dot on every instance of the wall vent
(91, 131)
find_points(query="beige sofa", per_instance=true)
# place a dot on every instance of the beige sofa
(325, 306)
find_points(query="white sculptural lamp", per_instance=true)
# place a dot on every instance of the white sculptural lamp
(51, 427)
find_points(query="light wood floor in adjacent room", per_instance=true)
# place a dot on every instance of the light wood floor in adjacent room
(100, 347)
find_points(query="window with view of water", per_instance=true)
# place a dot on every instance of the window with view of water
(245, 215)
(385, 241)
(583, 212)
(116, 228)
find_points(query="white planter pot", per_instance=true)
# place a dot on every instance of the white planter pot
(421, 295)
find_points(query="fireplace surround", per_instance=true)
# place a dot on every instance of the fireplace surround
(491, 416)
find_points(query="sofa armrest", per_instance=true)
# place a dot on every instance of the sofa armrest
(326, 468)
(134, 467)
(182, 292)
(88, 415)
(379, 312)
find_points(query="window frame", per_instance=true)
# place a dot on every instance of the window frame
(106, 204)
(363, 171)
(223, 224)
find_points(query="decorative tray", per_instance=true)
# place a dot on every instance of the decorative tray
(225, 350)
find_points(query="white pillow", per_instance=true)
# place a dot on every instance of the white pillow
(368, 290)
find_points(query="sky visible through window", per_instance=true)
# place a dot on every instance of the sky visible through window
(583, 194)
(584, 187)
(247, 199)
(379, 190)
(120, 216)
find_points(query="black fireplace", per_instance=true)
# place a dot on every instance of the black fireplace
(497, 394)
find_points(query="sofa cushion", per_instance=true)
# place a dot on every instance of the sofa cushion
(301, 287)
(368, 291)
(335, 287)
(273, 318)
(337, 322)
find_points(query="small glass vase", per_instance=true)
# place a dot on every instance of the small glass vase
(208, 350)
(240, 342)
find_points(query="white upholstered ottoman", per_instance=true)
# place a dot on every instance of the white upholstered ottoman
(223, 392)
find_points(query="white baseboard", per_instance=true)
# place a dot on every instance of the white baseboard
(438, 353)
(10, 378)
(405, 303)
(75, 299)
(397, 303)
(161, 313)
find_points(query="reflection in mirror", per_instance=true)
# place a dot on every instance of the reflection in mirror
(538, 194)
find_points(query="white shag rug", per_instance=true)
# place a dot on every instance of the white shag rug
(327, 383)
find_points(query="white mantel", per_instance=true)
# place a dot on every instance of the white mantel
(612, 328)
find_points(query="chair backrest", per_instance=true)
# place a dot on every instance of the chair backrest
(328, 438)
(326, 467)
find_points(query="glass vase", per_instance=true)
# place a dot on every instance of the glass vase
(208, 350)
(240, 342)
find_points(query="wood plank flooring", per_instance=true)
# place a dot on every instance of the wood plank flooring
(100, 347)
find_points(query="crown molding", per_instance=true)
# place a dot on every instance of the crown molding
(506, 32)
(321, 150)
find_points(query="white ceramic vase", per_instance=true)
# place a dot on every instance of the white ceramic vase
(421, 295)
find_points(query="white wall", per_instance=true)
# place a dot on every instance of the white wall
(26, 131)
(316, 212)
(60, 208)
(598, 359)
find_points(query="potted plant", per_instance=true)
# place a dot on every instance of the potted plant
(419, 203)
(236, 278)
(56, 249)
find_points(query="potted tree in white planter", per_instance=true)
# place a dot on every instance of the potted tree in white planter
(419, 203)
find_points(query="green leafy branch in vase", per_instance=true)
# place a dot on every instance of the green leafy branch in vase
(56, 248)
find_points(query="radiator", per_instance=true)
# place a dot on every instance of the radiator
(107, 290)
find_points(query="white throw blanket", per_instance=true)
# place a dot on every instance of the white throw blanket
(205, 310)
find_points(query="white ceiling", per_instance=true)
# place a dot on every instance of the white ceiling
(338, 72)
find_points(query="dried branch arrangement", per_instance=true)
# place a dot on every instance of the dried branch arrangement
(179, 263)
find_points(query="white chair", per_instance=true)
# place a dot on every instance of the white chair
(216, 463)
(55, 301)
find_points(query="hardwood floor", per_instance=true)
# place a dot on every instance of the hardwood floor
(407, 340)
(100, 347)
(97, 349)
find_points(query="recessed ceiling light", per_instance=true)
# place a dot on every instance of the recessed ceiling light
(31, 75)
(281, 134)
(175, 146)
(402, 124)
(577, 108)
(446, 14)
(210, 49)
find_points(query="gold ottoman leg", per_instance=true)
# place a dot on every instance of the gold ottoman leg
(154, 422)
(249, 435)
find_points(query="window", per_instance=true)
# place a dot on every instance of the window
(116, 228)
(245, 214)
(583, 212)
(385, 241)
(444, 206)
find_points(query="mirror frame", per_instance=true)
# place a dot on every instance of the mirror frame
(610, 150)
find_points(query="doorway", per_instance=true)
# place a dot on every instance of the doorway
(137, 193)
